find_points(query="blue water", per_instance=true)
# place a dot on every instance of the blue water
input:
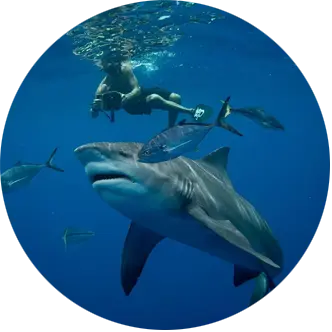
(283, 174)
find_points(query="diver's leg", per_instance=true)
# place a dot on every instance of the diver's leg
(200, 113)
(172, 116)
(156, 101)
(176, 98)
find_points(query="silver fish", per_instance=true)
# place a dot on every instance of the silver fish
(75, 236)
(256, 114)
(180, 139)
(20, 175)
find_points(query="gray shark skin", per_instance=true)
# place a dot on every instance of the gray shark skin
(190, 201)
(20, 175)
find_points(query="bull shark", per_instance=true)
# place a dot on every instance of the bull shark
(189, 201)
(21, 174)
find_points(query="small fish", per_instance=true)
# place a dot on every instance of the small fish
(161, 18)
(257, 115)
(21, 174)
(180, 139)
(261, 118)
(75, 236)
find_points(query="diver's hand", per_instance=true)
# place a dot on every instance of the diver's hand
(94, 114)
(127, 98)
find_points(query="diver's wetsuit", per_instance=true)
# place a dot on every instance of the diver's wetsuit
(138, 105)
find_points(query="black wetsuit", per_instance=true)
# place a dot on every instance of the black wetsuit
(138, 105)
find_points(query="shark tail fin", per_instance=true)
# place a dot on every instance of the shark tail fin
(50, 164)
(263, 285)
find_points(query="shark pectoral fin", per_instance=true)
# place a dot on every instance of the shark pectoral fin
(226, 230)
(138, 245)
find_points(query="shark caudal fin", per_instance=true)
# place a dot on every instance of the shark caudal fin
(50, 164)
(263, 285)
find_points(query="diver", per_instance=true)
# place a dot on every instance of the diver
(120, 90)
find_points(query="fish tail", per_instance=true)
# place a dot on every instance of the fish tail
(65, 239)
(264, 284)
(228, 127)
(50, 164)
(224, 112)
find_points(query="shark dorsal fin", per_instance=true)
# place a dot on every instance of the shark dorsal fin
(218, 158)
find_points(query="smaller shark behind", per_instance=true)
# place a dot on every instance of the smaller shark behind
(20, 175)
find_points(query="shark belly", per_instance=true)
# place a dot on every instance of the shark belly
(184, 229)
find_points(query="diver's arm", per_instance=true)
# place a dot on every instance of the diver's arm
(102, 88)
(133, 82)
(97, 103)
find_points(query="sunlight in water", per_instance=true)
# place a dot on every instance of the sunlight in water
(151, 62)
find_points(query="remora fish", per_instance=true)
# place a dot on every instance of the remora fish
(74, 235)
(190, 201)
(255, 114)
(180, 139)
(21, 174)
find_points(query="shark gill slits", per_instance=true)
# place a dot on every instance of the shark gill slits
(187, 189)
(124, 154)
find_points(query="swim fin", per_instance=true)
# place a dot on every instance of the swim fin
(202, 113)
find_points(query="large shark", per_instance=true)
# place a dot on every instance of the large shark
(190, 201)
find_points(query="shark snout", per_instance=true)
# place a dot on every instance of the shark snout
(89, 153)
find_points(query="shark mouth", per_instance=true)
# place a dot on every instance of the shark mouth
(109, 177)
